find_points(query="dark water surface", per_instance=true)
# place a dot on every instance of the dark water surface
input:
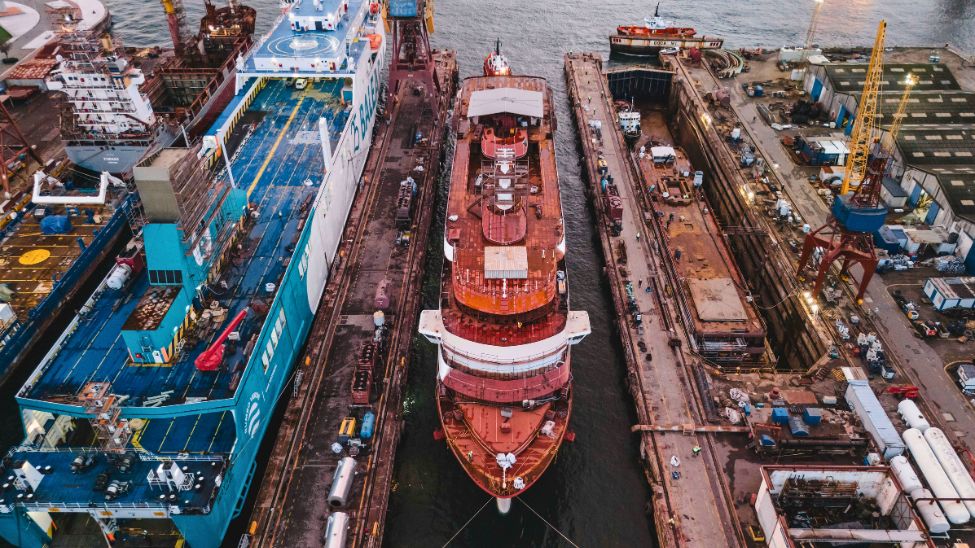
(595, 492)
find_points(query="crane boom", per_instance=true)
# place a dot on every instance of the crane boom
(895, 124)
(866, 116)
(813, 23)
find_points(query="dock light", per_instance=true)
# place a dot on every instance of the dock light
(815, 309)
(706, 118)
(910, 80)
(806, 295)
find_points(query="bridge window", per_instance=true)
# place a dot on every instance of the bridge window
(165, 277)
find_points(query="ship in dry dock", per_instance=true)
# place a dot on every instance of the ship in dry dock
(715, 300)
(504, 328)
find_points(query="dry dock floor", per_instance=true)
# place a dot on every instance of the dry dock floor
(914, 358)
(291, 508)
(695, 505)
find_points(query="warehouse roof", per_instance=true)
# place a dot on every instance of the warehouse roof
(958, 184)
(945, 145)
(935, 107)
(849, 77)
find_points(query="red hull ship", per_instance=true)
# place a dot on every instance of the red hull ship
(504, 328)
(657, 34)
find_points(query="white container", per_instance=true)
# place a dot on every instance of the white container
(905, 474)
(338, 495)
(938, 481)
(118, 276)
(336, 530)
(952, 466)
(909, 411)
(931, 513)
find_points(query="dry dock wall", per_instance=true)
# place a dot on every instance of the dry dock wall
(765, 266)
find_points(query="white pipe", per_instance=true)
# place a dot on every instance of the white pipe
(40, 177)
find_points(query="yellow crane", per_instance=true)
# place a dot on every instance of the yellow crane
(866, 115)
(895, 125)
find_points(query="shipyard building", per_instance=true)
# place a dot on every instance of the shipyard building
(933, 167)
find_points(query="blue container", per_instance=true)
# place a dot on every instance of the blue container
(858, 219)
(402, 8)
(368, 423)
(766, 440)
(747, 409)
(812, 416)
(798, 428)
(780, 415)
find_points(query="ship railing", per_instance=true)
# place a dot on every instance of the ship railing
(44, 507)
(143, 455)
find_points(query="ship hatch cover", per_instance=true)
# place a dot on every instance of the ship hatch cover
(522, 102)
(717, 300)
(505, 262)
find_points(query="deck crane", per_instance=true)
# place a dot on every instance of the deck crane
(412, 58)
(848, 232)
(176, 20)
(15, 152)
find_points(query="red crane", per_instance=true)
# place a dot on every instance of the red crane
(211, 358)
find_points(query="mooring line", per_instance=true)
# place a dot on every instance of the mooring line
(462, 527)
(552, 527)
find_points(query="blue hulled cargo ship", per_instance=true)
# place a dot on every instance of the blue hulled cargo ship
(143, 421)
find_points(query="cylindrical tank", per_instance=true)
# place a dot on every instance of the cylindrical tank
(118, 276)
(378, 318)
(912, 415)
(952, 466)
(905, 474)
(932, 471)
(342, 480)
(336, 530)
(931, 513)
(368, 423)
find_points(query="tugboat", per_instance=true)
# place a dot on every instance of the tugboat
(504, 327)
(629, 121)
(657, 34)
(496, 64)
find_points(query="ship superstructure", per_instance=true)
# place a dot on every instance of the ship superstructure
(504, 326)
(107, 124)
(120, 106)
(148, 411)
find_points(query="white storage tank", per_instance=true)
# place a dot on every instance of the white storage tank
(342, 480)
(938, 481)
(336, 530)
(952, 466)
(909, 411)
(905, 474)
(930, 512)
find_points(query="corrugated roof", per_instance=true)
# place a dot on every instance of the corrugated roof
(849, 77)
(511, 100)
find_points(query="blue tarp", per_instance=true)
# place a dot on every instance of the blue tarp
(56, 224)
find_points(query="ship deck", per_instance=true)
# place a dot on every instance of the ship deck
(524, 307)
(31, 261)
(284, 43)
(278, 160)
(65, 489)
(715, 289)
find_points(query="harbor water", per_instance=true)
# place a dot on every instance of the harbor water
(595, 493)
